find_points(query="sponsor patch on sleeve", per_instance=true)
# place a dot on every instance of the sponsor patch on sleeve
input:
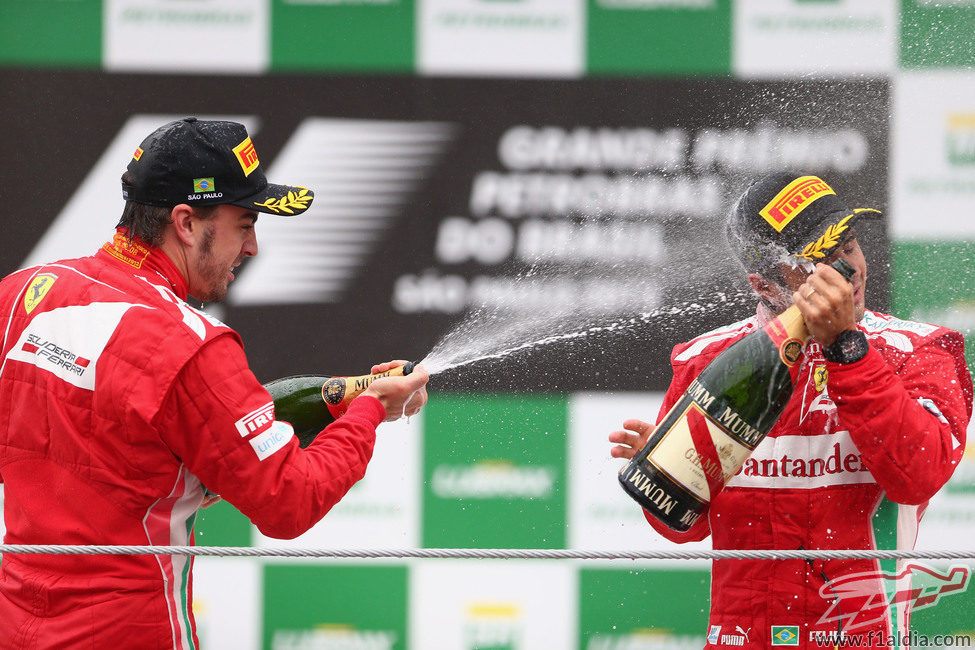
(256, 421)
(275, 438)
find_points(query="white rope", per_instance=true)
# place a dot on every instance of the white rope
(485, 553)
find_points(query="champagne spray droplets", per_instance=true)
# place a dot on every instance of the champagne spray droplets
(491, 335)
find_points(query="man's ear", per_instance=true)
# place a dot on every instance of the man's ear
(771, 293)
(185, 224)
(761, 286)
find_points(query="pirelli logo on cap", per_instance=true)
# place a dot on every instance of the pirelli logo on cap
(247, 156)
(792, 200)
(138, 153)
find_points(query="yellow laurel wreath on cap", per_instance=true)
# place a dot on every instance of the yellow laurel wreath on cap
(288, 204)
(830, 238)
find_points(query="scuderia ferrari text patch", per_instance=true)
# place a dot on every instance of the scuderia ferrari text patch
(68, 341)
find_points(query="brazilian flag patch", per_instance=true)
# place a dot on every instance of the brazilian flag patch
(785, 635)
(203, 185)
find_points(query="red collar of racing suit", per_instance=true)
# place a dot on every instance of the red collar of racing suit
(132, 252)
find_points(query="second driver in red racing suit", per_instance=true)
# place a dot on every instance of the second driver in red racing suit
(874, 428)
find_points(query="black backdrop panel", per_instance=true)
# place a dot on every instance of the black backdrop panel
(586, 213)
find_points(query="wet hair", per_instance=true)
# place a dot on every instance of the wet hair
(147, 222)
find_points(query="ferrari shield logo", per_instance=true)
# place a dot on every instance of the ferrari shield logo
(37, 289)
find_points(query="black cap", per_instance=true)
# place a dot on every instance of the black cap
(790, 217)
(202, 162)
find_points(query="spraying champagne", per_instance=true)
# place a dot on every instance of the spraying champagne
(709, 433)
(312, 402)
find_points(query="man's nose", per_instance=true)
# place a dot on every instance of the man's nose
(250, 246)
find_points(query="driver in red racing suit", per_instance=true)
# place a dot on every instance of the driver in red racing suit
(119, 402)
(875, 427)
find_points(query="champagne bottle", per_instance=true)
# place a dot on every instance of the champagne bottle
(311, 402)
(719, 420)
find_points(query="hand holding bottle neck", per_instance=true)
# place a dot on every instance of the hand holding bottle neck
(402, 395)
(827, 303)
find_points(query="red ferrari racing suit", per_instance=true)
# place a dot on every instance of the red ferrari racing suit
(118, 403)
(851, 464)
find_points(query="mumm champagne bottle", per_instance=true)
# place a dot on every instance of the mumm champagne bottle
(311, 402)
(709, 433)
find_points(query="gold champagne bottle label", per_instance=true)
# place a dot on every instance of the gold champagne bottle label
(337, 392)
(339, 389)
(698, 453)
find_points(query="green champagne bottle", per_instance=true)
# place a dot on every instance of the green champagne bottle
(311, 402)
(722, 416)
